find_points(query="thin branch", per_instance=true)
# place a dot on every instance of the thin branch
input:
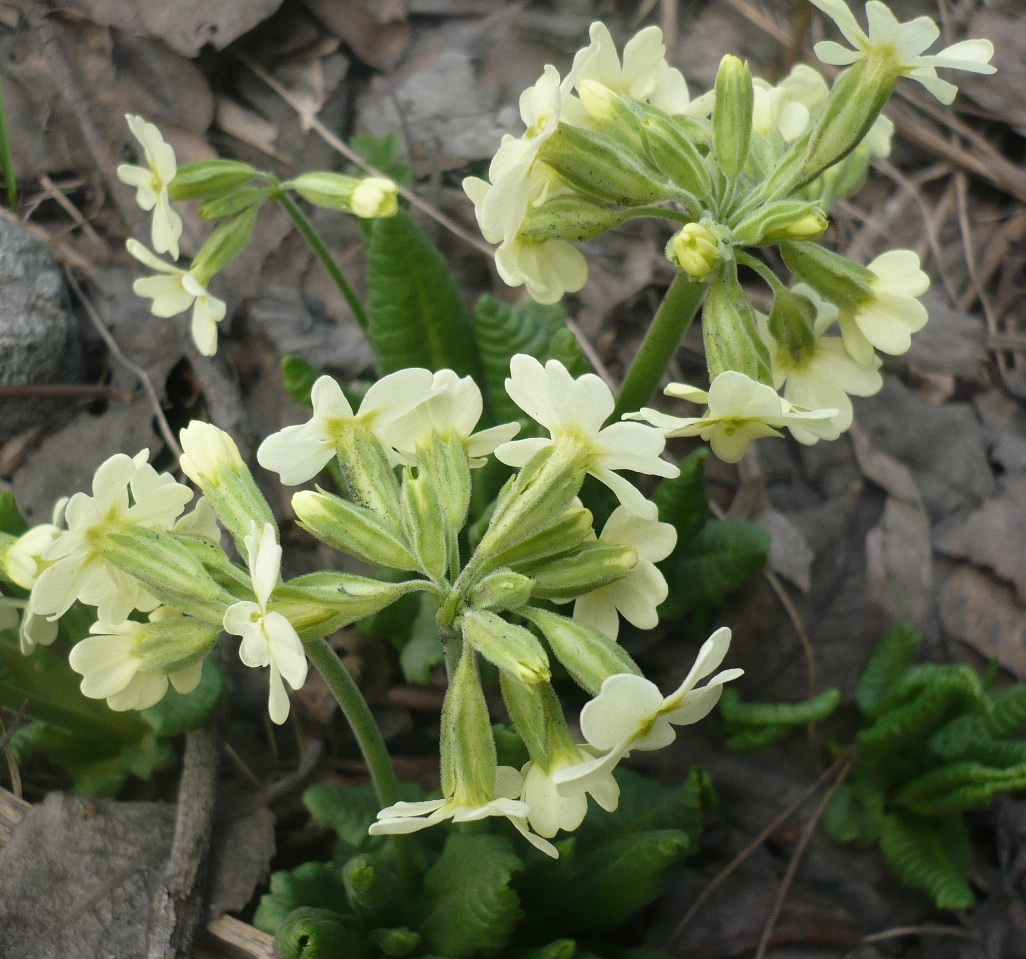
(134, 368)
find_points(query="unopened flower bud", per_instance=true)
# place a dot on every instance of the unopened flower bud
(512, 648)
(583, 571)
(501, 590)
(695, 250)
(353, 529)
(375, 198)
(213, 462)
(780, 220)
(590, 657)
(732, 115)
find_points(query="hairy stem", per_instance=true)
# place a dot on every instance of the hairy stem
(674, 316)
(312, 237)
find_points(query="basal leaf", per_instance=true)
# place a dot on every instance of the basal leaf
(716, 562)
(889, 662)
(470, 905)
(932, 855)
(682, 501)
(855, 814)
(179, 712)
(314, 884)
(311, 933)
(300, 376)
(11, 521)
(754, 718)
(415, 314)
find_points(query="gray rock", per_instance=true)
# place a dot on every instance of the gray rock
(39, 340)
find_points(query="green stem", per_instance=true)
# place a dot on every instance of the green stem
(312, 237)
(368, 738)
(674, 316)
(6, 157)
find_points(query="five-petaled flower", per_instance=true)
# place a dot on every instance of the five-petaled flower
(902, 44)
(630, 713)
(740, 410)
(151, 183)
(268, 638)
(174, 290)
(573, 411)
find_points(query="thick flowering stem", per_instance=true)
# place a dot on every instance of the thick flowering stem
(324, 255)
(672, 319)
(368, 738)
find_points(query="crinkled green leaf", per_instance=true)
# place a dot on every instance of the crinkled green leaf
(1007, 714)
(312, 933)
(179, 712)
(716, 562)
(415, 314)
(957, 787)
(889, 662)
(313, 884)
(932, 855)
(683, 501)
(469, 903)
(601, 886)
(503, 330)
(299, 376)
(753, 725)
(855, 814)
(346, 810)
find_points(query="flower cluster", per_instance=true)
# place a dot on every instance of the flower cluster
(225, 187)
(742, 167)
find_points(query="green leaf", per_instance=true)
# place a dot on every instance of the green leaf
(384, 154)
(11, 521)
(470, 904)
(299, 376)
(932, 855)
(502, 331)
(753, 725)
(348, 811)
(957, 787)
(310, 933)
(889, 662)
(415, 314)
(600, 887)
(683, 501)
(313, 884)
(423, 651)
(179, 712)
(855, 814)
(718, 560)
(1007, 716)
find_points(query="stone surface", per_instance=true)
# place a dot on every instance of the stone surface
(38, 334)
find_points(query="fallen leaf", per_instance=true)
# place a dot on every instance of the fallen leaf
(189, 25)
(883, 469)
(78, 875)
(983, 614)
(951, 344)
(995, 535)
(377, 33)
(899, 567)
(790, 553)
(1006, 99)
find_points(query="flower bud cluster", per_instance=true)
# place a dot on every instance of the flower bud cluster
(743, 167)
(227, 191)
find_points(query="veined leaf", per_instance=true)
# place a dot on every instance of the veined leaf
(932, 855)
(415, 314)
(957, 787)
(889, 662)
(683, 501)
(178, 712)
(313, 884)
(855, 814)
(736, 713)
(470, 906)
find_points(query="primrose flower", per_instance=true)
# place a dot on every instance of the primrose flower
(127, 492)
(452, 410)
(407, 817)
(573, 412)
(636, 595)
(740, 410)
(151, 183)
(550, 810)
(630, 713)
(515, 182)
(548, 268)
(268, 638)
(113, 666)
(644, 74)
(901, 44)
(825, 375)
(893, 313)
(299, 453)
(175, 291)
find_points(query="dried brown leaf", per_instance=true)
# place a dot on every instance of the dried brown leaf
(899, 564)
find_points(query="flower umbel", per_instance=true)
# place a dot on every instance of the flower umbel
(268, 638)
(903, 44)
